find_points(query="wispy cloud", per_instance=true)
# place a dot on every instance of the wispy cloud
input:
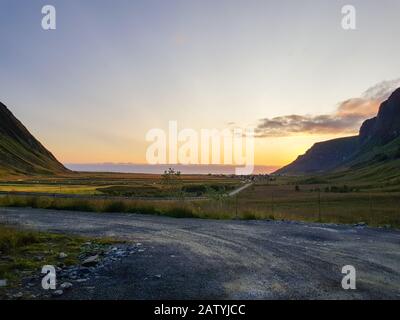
(346, 119)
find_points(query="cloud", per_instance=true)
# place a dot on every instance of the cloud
(346, 119)
(382, 90)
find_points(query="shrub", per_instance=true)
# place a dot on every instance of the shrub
(12, 239)
(115, 206)
(380, 157)
(195, 188)
(248, 215)
(178, 212)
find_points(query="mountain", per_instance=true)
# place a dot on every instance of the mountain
(20, 152)
(322, 156)
(385, 126)
(378, 142)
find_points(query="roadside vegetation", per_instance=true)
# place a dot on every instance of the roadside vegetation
(312, 199)
(260, 201)
(24, 252)
(168, 185)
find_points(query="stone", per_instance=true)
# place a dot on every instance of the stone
(84, 270)
(57, 293)
(3, 283)
(361, 224)
(91, 261)
(18, 295)
(66, 285)
(62, 255)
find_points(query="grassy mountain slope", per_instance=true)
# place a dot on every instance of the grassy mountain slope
(373, 155)
(378, 166)
(20, 152)
(323, 156)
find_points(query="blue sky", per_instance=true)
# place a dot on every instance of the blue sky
(112, 70)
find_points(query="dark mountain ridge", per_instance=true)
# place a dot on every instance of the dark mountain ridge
(344, 153)
(21, 152)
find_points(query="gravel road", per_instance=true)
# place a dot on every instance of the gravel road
(210, 259)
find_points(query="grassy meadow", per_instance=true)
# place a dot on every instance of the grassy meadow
(285, 198)
(24, 252)
(123, 185)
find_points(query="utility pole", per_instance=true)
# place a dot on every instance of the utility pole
(236, 205)
(370, 203)
(272, 203)
(370, 207)
(319, 205)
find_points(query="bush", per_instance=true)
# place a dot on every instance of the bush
(247, 215)
(179, 213)
(115, 206)
(397, 154)
(340, 189)
(380, 157)
(195, 188)
(143, 209)
(11, 239)
(73, 205)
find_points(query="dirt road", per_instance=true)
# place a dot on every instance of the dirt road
(207, 259)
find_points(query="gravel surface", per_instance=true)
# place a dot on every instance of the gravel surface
(167, 258)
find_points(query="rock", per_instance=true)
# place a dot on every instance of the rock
(91, 261)
(66, 285)
(361, 224)
(120, 253)
(57, 293)
(3, 283)
(90, 288)
(84, 270)
(158, 276)
(18, 295)
(62, 255)
(81, 280)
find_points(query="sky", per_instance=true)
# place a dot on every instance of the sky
(113, 70)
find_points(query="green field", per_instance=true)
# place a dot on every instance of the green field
(123, 185)
(289, 198)
(24, 252)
